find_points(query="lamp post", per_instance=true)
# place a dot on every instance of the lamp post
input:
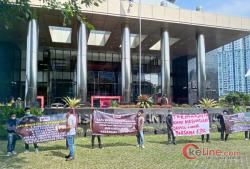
(140, 64)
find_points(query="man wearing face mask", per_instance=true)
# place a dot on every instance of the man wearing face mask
(11, 129)
(28, 114)
(169, 121)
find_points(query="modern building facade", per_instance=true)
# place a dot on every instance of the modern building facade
(56, 61)
(233, 63)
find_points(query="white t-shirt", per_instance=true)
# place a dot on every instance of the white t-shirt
(72, 125)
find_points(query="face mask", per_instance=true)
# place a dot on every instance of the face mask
(28, 112)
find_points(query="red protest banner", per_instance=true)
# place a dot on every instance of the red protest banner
(113, 124)
(190, 125)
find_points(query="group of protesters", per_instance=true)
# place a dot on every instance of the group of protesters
(12, 136)
(72, 122)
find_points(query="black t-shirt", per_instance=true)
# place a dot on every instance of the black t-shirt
(221, 119)
(169, 120)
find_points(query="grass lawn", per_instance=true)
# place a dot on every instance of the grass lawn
(121, 153)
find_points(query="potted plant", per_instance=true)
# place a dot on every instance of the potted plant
(145, 101)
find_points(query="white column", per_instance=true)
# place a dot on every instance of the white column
(126, 64)
(31, 64)
(165, 66)
(81, 73)
(201, 67)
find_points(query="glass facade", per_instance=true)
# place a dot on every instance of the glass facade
(57, 74)
(180, 80)
(151, 75)
(10, 59)
(211, 78)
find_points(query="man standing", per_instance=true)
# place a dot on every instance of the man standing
(11, 129)
(223, 125)
(169, 121)
(205, 111)
(29, 115)
(94, 135)
(71, 132)
(140, 123)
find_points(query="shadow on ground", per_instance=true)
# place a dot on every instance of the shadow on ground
(117, 144)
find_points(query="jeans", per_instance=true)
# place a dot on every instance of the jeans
(171, 137)
(11, 142)
(70, 141)
(140, 138)
(27, 147)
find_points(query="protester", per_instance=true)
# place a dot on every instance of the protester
(85, 121)
(247, 135)
(140, 122)
(94, 135)
(169, 121)
(11, 129)
(77, 120)
(71, 132)
(28, 114)
(223, 125)
(205, 111)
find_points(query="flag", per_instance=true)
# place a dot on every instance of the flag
(248, 73)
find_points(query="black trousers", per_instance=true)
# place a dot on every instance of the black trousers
(203, 137)
(93, 140)
(171, 137)
(222, 134)
(85, 128)
(247, 134)
(27, 146)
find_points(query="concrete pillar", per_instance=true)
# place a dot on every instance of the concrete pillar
(201, 67)
(126, 64)
(165, 66)
(81, 79)
(31, 64)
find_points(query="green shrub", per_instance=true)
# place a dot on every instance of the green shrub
(5, 112)
(239, 109)
(114, 103)
(236, 99)
(3, 131)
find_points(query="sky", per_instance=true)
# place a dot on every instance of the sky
(227, 7)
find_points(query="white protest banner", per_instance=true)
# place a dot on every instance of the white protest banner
(190, 124)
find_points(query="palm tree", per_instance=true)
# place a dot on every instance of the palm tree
(71, 102)
(208, 103)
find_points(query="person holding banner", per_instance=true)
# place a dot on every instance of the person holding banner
(205, 111)
(223, 125)
(12, 136)
(169, 121)
(71, 132)
(28, 114)
(140, 124)
(94, 135)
